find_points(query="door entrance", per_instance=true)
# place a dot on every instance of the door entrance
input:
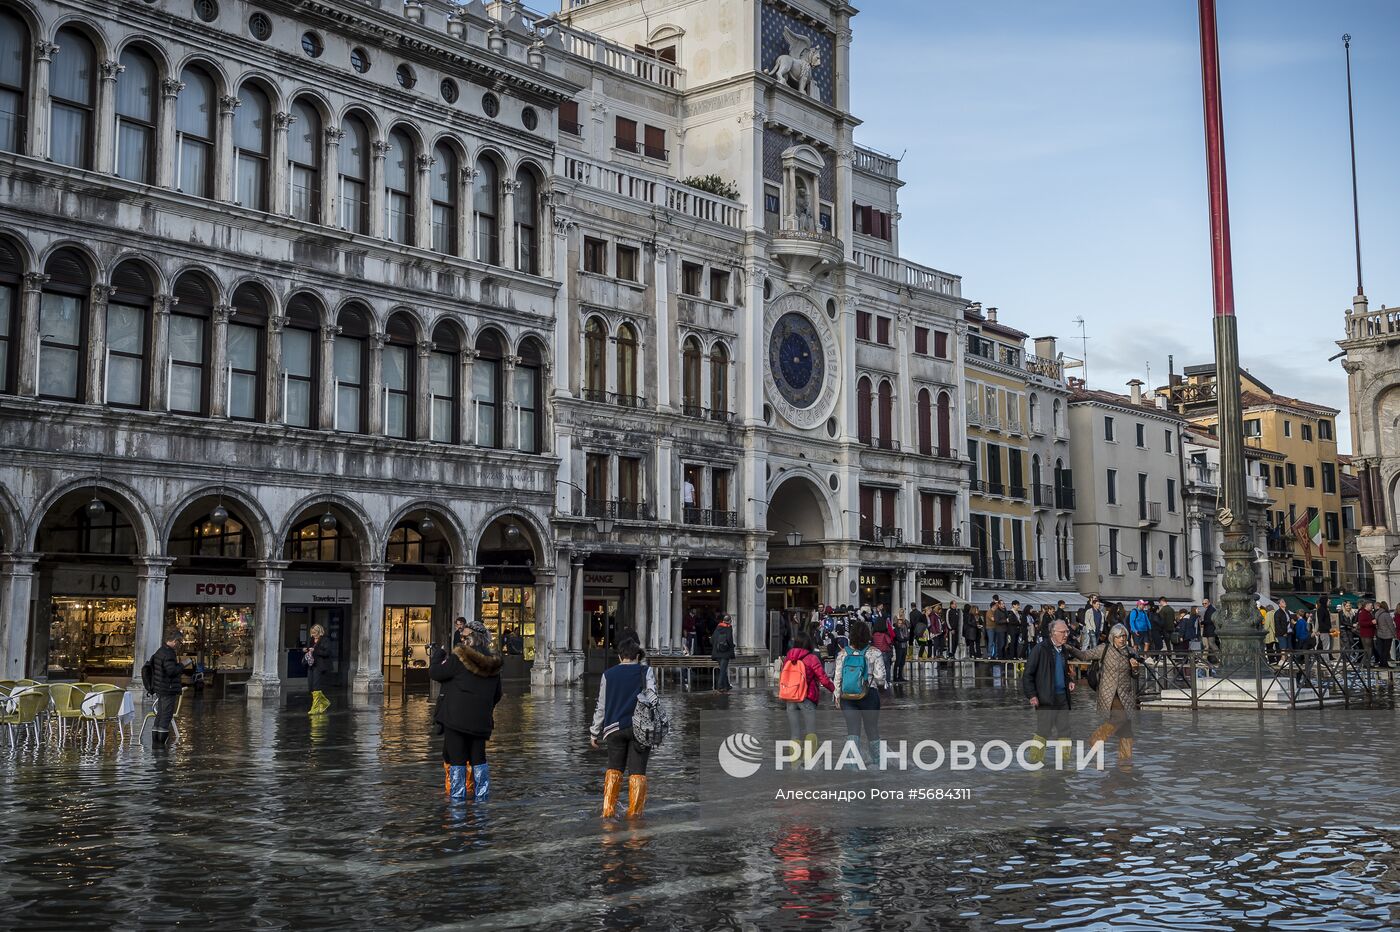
(297, 621)
(604, 620)
(407, 631)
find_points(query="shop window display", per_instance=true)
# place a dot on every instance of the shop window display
(91, 637)
(218, 638)
(407, 632)
(510, 610)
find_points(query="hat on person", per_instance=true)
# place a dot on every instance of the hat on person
(1142, 601)
(477, 626)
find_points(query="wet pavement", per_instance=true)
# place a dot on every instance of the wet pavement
(261, 818)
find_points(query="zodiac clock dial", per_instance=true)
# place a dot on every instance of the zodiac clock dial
(795, 359)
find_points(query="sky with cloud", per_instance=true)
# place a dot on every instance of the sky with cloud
(1053, 157)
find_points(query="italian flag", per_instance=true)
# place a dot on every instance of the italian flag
(1315, 534)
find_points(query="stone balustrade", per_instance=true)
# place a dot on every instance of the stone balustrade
(908, 273)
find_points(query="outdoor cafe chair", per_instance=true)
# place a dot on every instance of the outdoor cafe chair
(22, 708)
(67, 704)
(174, 729)
(105, 704)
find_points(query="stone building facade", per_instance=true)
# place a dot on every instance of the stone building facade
(368, 315)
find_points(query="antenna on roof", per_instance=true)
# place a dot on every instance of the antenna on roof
(1084, 339)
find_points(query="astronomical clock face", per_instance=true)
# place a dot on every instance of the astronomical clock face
(802, 361)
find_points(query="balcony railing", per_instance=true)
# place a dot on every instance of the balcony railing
(1017, 570)
(994, 488)
(571, 127)
(709, 517)
(639, 185)
(1043, 495)
(1149, 512)
(616, 509)
(878, 534)
(908, 273)
(941, 537)
(706, 414)
(1383, 323)
(1013, 425)
(975, 485)
(1064, 499)
(876, 163)
(991, 421)
(974, 417)
(1047, 368)
(886, 443)
(620, 399)
(1018, 492)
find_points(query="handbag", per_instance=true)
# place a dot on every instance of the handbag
(1094, 674)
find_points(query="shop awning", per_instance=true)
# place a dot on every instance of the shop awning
(1046, 597)
(1298, 603)
(942, 596)
(1348, 598)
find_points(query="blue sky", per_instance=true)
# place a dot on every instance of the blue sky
(1053, 157)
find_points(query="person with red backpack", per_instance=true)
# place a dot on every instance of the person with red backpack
(799, 686)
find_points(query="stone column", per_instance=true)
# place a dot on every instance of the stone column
(39, 106)
(1264, 575)
(330, 175)
(160, 352)
(464, 579)
(544, 624)
(422, 428)
(666, 334)
(166, 140)
(509, 259)
(904, 404)
(510, 417)
(27, 376)
(731, 590)
(565, 353)
(379, 151)
(753, 605)
(326, 403)
(422, 231)
(369, 636)
(466, 215)
(151, 573)
(96, 389)
(466, 407)
(16, 594)
(223, 158)
(272, 384)
(677, 575)
(375, 422)
(266, 682)
(106, 160)
(576, 625)
(281, 201)
(218, 361)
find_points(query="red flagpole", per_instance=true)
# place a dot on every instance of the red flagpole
(1224, 277)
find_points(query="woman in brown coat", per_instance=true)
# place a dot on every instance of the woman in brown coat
(1117, 698)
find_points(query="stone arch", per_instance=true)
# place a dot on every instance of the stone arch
(446, 520)
(1380, 389)
(158, 283)
(11, 522)
(544, 553)
(21, 247)
(366, 535)
(212, 68)
(93, 33)
(276, 100)
(142, 518)
(96, 271)
(147, 46)
(254, 517)
(793, 507)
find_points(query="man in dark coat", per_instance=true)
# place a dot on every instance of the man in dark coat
(722, 650)
(166, 673)
(1048, 683)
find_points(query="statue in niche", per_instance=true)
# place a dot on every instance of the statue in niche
(797, 68)
(803, 212)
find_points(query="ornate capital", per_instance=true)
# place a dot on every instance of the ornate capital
(381, 148)
(425, 162)
(45, 51)
(275, 324)
(110, 69)
(35, 281)
(377, 339)
(470, 354)
(333, 135)
(563, 225)
(165, 303)
(425, 348)
(100, 294)
(509, 186)
(845, 155)
(1351, 366)
(170, 87)
(468, 175)
(228, 104)
(283, 119)
(510, 362)
(330, 331)
(222, 313)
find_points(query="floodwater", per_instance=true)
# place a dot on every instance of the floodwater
(261, 818)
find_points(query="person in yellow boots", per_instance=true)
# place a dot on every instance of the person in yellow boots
(318, 668)
(612, 724)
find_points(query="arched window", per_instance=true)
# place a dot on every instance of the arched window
(398, 189)
(486, 199)
(1040, 548)
(188, 392)
(945, 425)
(301, 366)
(399, 356)
(72, 88)
(1033, 405)
(864, 401)
(252, 124)
(444, 195)
(194, 129)
(627, 392)
(354, 176)
(719, 382)
(246, 339)
(349, 357)
(304, 161)
(1055, 418)
(886, 415)
(526, 388)
(595, 360)
(405, 544)
(205, 538)
(14, 81)
(443, 367)
(527, 250)
(486, 389)
(136, 117)
(312, 542)
(11, 271)
(690, 377)
(925, 420)
(63, 331)
(1037, 493)
(128, 337)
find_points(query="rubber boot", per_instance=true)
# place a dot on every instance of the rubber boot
(612, 788)
(457, 782)
(1036, 754)
(636, 794)
(810, 747)
(325, 703)
(447, 778)
(1101, 733)
(481, 779)
(874, 762)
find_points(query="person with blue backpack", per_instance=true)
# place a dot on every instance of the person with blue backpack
(1140, 624)
(860, 675)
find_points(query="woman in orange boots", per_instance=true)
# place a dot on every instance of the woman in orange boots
(612, 723)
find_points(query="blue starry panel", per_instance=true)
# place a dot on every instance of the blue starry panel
(796, 359)
(774, 44)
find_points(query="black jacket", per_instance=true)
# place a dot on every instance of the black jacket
(471, 688)
(723, 644)
(1039, 678)
(316, 673)
(166, 670)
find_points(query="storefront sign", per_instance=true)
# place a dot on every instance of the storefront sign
(874, 579)
(606, 580)
(410, 592)
(791, 580)
(109, 582)
(700, 582)
(317, 589)
(934, 581)
(211, 590)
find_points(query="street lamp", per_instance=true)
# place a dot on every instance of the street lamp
(794, 538)
(1003, 558)
(891, 539)
(1132, 565)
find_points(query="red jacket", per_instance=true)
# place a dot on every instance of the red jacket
(1365, 624)
(816, 673)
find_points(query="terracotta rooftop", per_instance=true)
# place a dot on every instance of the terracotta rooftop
(1256, 400)
(1078, 393)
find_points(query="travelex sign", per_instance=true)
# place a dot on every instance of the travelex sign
(742, 755)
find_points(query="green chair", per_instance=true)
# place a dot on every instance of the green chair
(174, 729)
(22, 710)
(7, 685)
(66, 701)
(108, 709)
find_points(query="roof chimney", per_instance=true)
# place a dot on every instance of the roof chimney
(1135, 389)
(1045, 347)
(991, 315)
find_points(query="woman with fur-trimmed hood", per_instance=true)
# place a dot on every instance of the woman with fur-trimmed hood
(471, 687)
